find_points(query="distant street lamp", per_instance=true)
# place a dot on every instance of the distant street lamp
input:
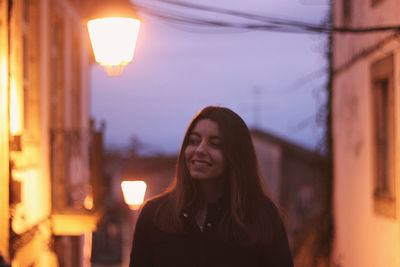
(113, 30)
(134, 192)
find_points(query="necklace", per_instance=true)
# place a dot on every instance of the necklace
(200, 219)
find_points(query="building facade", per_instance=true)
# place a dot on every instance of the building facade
(365, 121)
(46, 197)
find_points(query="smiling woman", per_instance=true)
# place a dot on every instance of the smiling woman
(215, 213)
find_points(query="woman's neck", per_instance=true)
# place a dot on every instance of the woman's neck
(212, 189)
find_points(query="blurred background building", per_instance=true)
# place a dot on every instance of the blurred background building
(296, 179)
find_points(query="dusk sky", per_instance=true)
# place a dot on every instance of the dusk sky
(274, 81)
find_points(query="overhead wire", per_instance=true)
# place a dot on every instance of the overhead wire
(267, 23)
(179, 18)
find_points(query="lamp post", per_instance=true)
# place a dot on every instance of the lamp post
(113, 28)
(134, 192)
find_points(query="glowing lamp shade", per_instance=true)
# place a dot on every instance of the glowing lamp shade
(133, 193)
(113, 40)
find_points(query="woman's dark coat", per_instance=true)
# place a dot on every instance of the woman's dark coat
(153, 247)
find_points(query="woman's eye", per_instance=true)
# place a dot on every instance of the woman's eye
(193, 141)
(216, 144)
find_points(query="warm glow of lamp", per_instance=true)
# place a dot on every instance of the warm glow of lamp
(16, 109)
(3, 72)
(113, 40)
(134, 192)
(88, 202)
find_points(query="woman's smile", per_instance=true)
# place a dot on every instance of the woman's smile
(200, 163)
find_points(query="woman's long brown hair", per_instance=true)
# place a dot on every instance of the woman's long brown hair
(251, 218)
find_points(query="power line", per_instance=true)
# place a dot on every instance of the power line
(266, 23)
(183, 19)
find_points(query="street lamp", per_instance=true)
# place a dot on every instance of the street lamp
(113, 30)
(134, 192)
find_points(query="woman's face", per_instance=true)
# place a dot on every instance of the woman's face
(203, 153)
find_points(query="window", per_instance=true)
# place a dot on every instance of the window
(25, 56)
(76, 90)
(58, 137)
(57, 71)
(69, 170)
(346, 11)
(304, 199)
(383, 136)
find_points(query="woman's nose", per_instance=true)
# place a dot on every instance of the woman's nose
(202, 147)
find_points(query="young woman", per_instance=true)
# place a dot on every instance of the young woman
(215, 213)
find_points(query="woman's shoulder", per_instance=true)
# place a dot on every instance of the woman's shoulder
(152, 204)
(150, 212)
